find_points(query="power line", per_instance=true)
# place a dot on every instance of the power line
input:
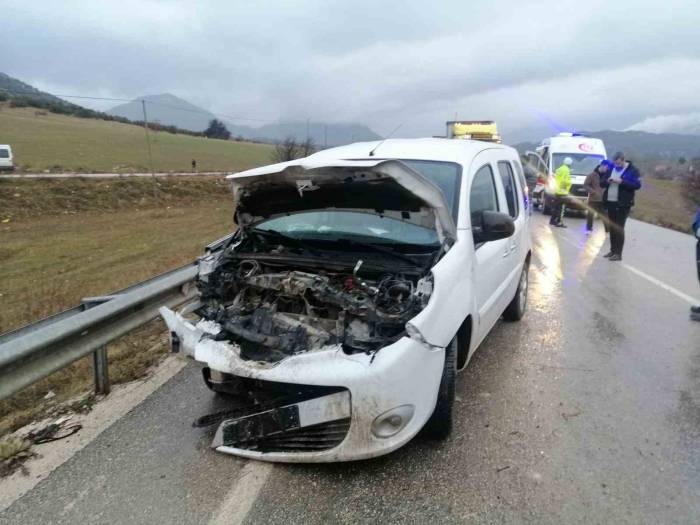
(179, 108)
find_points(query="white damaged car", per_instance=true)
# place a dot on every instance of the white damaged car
(359, 281)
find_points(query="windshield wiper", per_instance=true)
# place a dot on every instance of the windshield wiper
(297, 242)
(381, 249)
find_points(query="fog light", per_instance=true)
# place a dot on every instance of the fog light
(392, 421)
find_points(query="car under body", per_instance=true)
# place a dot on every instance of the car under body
(320, 339)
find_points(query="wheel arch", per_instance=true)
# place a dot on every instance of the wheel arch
(464, 342)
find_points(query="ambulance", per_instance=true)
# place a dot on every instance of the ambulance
(586, 153)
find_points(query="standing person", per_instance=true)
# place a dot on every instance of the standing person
(194, 166)
(695, 310)
(562, 186)
(595, 194)
(620, 185)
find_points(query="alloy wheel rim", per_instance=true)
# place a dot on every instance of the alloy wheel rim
(523, 289)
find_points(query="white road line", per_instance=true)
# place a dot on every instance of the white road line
(661, 284)
(687, 298)
(240, 498)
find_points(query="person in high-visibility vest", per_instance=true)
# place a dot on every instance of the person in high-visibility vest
(562, 186)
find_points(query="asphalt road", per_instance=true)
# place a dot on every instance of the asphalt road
(587, 411)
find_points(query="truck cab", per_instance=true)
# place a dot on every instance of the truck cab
(586, 153)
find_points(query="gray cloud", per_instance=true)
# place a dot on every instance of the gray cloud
(588, 64)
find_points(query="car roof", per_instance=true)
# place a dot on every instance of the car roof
(453, 150)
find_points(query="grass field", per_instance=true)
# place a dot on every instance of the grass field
(74, 238)
(661, 202)
(62, 143)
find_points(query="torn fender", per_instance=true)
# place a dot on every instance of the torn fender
(439, 321)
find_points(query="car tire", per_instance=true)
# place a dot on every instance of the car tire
(516, 309)
(439, 425)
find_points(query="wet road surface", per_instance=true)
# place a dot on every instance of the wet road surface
(587, 411)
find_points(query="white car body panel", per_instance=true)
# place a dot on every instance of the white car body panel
(469, 281)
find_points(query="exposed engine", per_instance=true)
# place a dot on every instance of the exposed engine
(275, 311)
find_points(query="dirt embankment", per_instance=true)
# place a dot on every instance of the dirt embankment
(33, 198)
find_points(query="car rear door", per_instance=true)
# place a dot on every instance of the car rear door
(513, 205)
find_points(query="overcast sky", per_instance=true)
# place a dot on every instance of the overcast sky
(529, 65)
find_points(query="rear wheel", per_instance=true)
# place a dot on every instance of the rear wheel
(440, 423)
(516, 309)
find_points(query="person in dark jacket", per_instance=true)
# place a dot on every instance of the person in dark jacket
(695, 310)
(595, 194)
(619, 186)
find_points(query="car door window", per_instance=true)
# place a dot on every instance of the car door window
(510, 188)
(482, 196)
(525, 188)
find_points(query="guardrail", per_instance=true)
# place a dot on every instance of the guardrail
(32, 352)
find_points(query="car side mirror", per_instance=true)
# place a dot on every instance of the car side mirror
(494, 226)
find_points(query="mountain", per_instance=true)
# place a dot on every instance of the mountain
(16, 88)
(641, 144)
(168, 109)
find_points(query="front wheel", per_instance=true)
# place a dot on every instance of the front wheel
(516, 309)
(440, 423)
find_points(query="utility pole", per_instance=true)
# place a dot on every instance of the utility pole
(150, 155)
(325, 136)
(307, 131)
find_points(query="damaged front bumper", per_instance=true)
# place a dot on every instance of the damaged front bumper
(378, 401)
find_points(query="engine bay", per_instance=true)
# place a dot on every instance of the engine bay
(276, 305)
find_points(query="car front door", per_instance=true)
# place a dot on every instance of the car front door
(491, 266)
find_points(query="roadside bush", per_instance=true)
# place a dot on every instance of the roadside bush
(691, 183)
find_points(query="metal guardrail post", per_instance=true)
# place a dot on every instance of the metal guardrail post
(100, 368)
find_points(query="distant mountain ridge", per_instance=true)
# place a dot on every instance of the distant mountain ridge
(15, 88)
(640, 144)
(168, 109)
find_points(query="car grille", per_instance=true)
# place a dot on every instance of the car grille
(313, 438)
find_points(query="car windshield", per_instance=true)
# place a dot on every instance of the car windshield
(584, 163)
(368, 227)
(445, 175)
(4, 154)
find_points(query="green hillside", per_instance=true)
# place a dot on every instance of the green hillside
(46, 141)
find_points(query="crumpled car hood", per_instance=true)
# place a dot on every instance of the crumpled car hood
(372, 186)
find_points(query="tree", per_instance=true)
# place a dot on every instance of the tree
(290, 149)
(681, 160)
(217, 130)
(308, 147)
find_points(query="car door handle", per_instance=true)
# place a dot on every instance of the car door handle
(514, 247)
(506, 253)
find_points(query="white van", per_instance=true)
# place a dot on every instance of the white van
(6, 159)
(360, 279)
(586, 152)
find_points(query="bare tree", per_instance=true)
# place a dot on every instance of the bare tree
(307, 147)
(691, 183)
(286, 150)
(290, 149)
